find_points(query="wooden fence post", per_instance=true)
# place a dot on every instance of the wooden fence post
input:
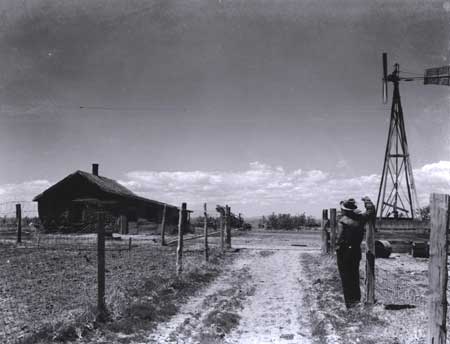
(222, 231)
(181, 228)
(437, 269)
(123, 224)
(324, 231)
(19, 222)
(333, 228)
(370, 262)
(205, 228)
(163, 226)
(228, 226)
(101, 306)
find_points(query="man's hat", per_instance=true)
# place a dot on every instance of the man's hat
(349, 204)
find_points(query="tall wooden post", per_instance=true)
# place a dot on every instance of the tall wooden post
(163, 226)
(19, 222)
(333, 229)
(370, 261)
(324, 231)
(228, 226)
(205, 229)
(437, 269)
(123, 224)
(222, 231)
(181, 228)
(101, 306)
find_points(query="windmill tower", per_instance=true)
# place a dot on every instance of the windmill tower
(397, 195)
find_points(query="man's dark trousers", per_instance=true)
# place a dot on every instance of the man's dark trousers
(348, 259)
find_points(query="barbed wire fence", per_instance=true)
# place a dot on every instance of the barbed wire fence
(47, 279)
(18, 215)
(50, 280)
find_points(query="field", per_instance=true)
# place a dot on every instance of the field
(273, 287)
(48, 293)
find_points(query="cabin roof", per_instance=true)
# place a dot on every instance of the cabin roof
(107, 185)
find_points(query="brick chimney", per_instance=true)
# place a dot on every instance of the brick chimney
(95, 169)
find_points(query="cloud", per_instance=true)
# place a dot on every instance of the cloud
(259, 189)
(22, 193)
(263, 188)
(258, 185)
(342, 164)
(430, 178)
(446, 6)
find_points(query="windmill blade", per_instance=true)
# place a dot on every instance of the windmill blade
(385, 92)
(385, 86)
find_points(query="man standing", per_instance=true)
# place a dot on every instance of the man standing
(348, 247)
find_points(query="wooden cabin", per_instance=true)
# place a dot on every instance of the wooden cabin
(72, 205)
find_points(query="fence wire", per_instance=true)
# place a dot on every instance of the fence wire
(401, 280)
(49, 280)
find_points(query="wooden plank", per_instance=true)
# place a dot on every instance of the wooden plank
(193, 237)
(405, 224)
(370, 262)
(333, 229)
(402, 235)
(182, 221)
(437, 269)
(163, 226)
(205, 230)
(324, 245)
(212, 233)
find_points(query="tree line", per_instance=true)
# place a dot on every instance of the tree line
(236, 221)
(287, 221)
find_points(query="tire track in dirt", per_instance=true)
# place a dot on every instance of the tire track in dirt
(323, 330)
(259, 299)
(207, 317)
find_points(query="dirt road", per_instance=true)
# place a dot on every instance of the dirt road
(259, 299)
(280, 289)
(275, 313)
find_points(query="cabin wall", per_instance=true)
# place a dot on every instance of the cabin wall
(58, 212)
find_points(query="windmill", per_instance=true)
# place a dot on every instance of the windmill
(397, 196)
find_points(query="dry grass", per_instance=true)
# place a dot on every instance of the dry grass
(50, 295)
(401, 281)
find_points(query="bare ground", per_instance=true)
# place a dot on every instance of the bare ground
(259, 299)
(280, 289)
(399, 316)
(272, 288)
(48, 294)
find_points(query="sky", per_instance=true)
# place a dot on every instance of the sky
(269, 106)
